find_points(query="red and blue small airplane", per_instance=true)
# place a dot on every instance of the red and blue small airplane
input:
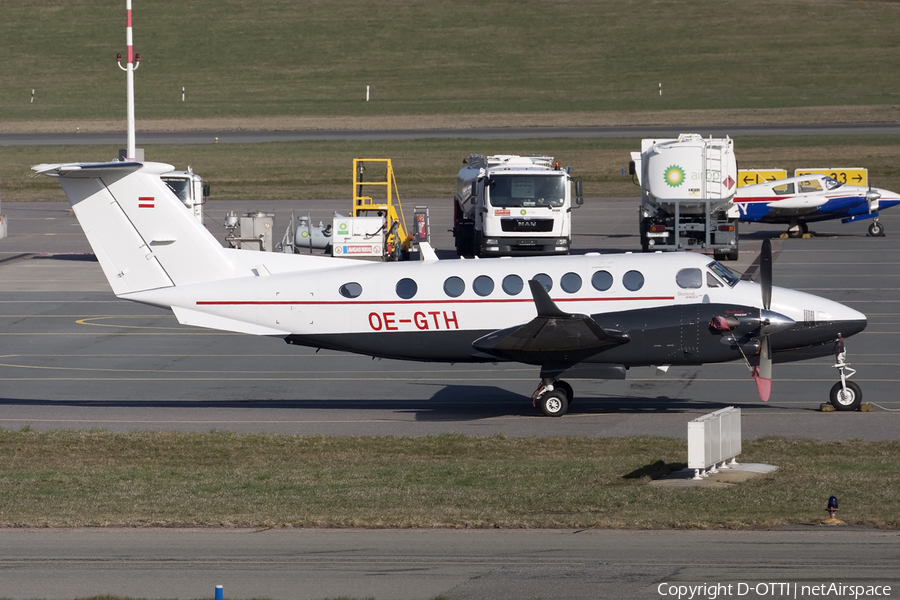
(797, 201)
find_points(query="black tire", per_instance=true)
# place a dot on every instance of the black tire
(563, 386)
(723, 256)
(876, 229)
(795, 231)
(849, 400)
(554, 404)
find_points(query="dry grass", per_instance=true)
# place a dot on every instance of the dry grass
(427, 168)
(74, 479)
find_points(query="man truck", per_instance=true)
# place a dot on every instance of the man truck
(508, 205)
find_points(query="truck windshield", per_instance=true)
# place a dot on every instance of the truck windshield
(526, 190)
(179, 186)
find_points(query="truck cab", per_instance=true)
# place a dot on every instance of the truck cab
(190, 189)
(509, 205)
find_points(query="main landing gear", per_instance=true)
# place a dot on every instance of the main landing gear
(797, 230)
(553, 397)
(845, 395)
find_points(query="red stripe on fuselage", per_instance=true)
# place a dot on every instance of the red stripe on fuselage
(379, 302)
(761, 199)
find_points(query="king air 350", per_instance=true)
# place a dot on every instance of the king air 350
(575, 317)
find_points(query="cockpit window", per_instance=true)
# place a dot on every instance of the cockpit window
(809, 185)
(689, 279)
(831, 184)
(724, 274)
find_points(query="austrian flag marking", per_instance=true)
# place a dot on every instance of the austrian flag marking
(146, 202)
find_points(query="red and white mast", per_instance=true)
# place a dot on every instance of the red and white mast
(132, 63)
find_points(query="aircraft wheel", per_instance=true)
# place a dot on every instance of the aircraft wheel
(846, 400)
(876, 229)
(564, 387)
(795, 231)
(554, 404)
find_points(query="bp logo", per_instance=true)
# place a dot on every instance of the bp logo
(523, 212)
(343, 226)
(674, 176)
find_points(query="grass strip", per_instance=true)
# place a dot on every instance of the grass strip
(101, 479)
(428, 168)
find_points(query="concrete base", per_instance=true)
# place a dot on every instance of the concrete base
(724, 478)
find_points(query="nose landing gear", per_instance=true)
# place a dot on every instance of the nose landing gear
(845, 395)
(876, 229)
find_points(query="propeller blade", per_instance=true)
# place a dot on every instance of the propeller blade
(765, 272)
(763, 371)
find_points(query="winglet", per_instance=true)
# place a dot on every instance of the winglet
(545, 305)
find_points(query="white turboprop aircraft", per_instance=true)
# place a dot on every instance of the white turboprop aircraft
(592, 316)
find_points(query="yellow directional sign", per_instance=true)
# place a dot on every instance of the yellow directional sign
(849, 176)
(754, 176)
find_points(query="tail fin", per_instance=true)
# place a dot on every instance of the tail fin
(143, 236)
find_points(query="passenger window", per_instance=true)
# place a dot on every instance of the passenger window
(570, 282)
(689, 279)
(544, 280)
(512, 284)
(602, 281)
(712, 282)
(454, 287)
(784, 188)
(407, 288)
(483, 285)
(633, 281)
(350, 290)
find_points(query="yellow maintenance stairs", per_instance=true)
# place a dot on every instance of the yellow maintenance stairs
(367, 175)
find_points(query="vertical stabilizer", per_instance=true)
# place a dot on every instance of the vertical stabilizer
(143, 236)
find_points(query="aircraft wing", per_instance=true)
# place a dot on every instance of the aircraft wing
(553, 337)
